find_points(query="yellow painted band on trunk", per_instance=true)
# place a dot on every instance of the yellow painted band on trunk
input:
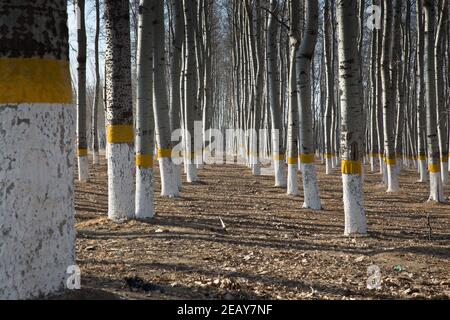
(119, 133)
(351, 167)
(306, 158)
(164, 153)
(279, 157)
(144, 160)
(390, 161)
(32, 80)
(434, 168)
(82, 152)
(292, 160)
(329, 155)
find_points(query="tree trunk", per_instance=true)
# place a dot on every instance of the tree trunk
(303, 68)
(190, 87)
(274, 97)
(351, 115)
(82, 150)
(175, 70)
(328, 53)
(169, 185)
(119, 112)
(97, 94)
(292, 185)
(387, 96)
(144, 114)
(374, 146)
(37, 138)
(421, 124)
(434, 166)
(442, 112)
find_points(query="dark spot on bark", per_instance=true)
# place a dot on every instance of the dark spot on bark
(9, 188)
(34, 29)
(20, 121)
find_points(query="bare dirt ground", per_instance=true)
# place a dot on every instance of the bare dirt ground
(271, 249)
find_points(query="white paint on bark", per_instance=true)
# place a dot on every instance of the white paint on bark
(191, 172)
(169, 187)
(292, 185)
(95, 157)
(392, 178)
(328, 166)
(144, 193)
(355, 218)
(83, 169)
(436, 188)
(280, 173)
(37, 236)
(120, 181)
(423, 171)
(310, 189)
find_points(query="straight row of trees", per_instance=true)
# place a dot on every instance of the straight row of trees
(371, 87)
(350, 80)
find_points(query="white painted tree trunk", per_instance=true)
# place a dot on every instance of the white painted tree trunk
(169, 186)
(292, 152)
(442, 109)
(303, 69)
(121, 187)
(119, 114)
(190, 88)
(388, 97)
(97, 94)
(82, 153)
(37, 140)
(351, 115)
(144, 115)
(434, 166)
(175, 77)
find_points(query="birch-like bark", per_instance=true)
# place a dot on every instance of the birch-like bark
(400, 56)
(97, 93)
(273, 79)
(434, 166)
(442, 112)
(303, 62)
(387, 96)
(374, 147)
(175, 71)
(82, 150)
(144, 134)
(258, 62)
(329, 70)
(190, 89)
(352, 115)
(292, 136)
(119, 112)
(37, 139)
(421, 123)
(169, 185)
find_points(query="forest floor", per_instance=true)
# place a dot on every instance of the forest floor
(271, 249)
